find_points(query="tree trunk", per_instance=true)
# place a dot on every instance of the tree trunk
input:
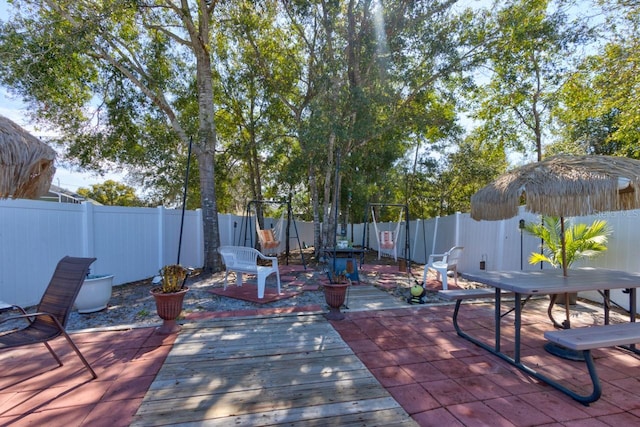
(328, 231)
(206, 143)
(313, 186)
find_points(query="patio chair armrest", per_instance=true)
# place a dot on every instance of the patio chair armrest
(274, 261)
(4, 306)
(433, 257)
(268, 258)
(10, 307)
(31, 316)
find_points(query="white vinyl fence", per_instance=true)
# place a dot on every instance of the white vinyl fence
(134, 243)
(503, 246)
(130, 243)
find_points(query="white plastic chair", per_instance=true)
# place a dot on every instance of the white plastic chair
(241, 259)
(443, 263)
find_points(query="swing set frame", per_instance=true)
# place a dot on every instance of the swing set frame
(250, 231)
(367, 234)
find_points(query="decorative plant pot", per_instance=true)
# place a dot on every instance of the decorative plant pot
(334, 295)
(95, 293)
(169, 307)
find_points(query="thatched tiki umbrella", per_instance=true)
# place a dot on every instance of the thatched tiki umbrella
(26, 163)
(562, 186)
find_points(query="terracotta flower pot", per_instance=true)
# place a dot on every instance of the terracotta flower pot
(334, 295)
(169, 307)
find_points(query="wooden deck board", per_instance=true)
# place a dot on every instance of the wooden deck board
(285, 370)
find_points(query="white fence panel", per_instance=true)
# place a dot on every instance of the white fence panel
(134, 243)
(130, 243)
(425, 240)
(446, 234)
(125, 241)
(33, 240)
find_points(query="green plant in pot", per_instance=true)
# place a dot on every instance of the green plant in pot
(169, 296)
(581, 241)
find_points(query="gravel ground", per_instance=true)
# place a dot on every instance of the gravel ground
(132, 305)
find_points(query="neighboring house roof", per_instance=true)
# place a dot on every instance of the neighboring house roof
(61, 195)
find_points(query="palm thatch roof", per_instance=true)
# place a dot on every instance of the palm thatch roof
(560, 186)
(26, 163)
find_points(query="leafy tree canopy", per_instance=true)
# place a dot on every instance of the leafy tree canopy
(112, 193)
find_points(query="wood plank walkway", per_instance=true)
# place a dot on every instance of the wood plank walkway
(367, 297)
(293, 370)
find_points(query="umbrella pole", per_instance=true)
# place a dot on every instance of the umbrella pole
(563, 245)
(567, 322)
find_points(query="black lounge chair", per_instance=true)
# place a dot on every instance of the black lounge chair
(50, 319)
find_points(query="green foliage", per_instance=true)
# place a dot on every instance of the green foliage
(599, 110)
(112, 193)
(581, 240)
(297, 84)
(527, 61)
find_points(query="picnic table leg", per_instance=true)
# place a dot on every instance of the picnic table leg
(518, 326)
(583, 399)
(552, 303)
(497, 317)
(632, 317)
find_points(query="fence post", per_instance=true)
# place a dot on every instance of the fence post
(499, 256)
(199, 237)
(88, 232)
(161, 233)
(435, 238)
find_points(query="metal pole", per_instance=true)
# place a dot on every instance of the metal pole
(335, 213)
(184, 197)
(521, 227)
(337, 197)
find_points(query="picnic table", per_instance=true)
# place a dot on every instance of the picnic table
(546, 282)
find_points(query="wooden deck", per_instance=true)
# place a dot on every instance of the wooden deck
(284, 370)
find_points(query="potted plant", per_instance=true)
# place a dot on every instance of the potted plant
(169, 296)
(95, 293)
(335, 292)
(581, 241)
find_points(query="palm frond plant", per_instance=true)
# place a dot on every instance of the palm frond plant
(581, 240)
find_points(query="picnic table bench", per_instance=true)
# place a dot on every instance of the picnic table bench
(588, 338)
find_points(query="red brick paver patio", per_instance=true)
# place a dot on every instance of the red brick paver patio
(439, 378)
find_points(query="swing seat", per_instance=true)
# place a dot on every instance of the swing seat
(387, 245)
(267, 239)
(387, 240)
